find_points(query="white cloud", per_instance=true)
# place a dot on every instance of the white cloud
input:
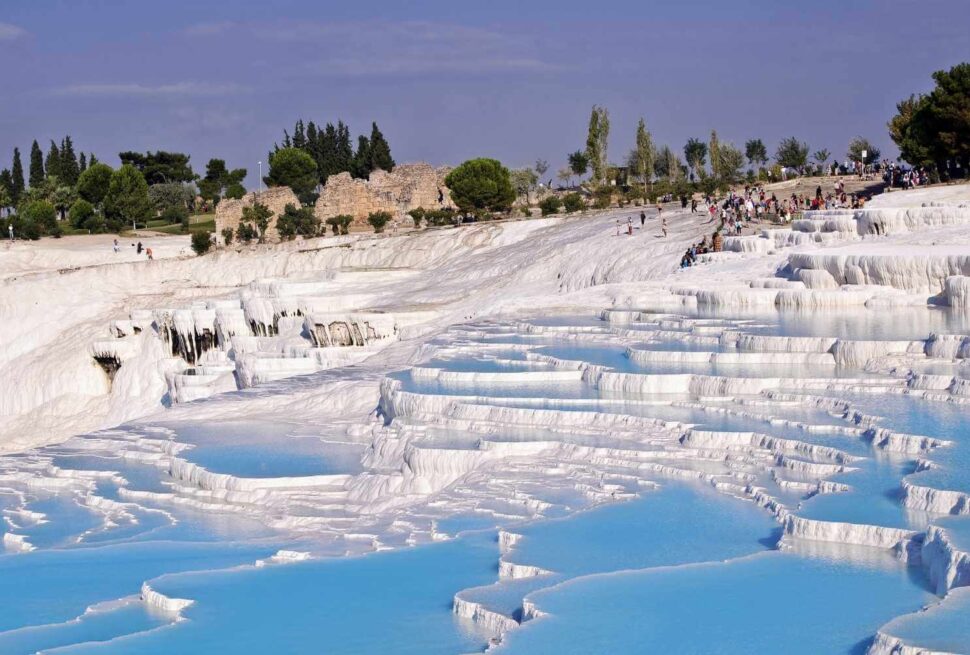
(391, 48)
(9, 32)
(134, 90)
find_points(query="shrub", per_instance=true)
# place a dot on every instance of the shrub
(340, 224)
(94, 224)
(602, 197)
(246, 232)
(417, 215)
(40, 214)
(550, 205)
(227, 235)
(201, 242)
(439, 216)
(573, 202)
(378, 220)
(80, 212)
(257, 217)
(297, 221)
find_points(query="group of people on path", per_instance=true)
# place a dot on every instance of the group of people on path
(139, 248)
(643, 222)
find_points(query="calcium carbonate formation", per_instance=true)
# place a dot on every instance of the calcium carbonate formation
(516, 417)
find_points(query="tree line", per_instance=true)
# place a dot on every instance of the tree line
(311, 155)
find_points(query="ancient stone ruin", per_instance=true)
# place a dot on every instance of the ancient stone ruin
(229, 212)
(407, 187)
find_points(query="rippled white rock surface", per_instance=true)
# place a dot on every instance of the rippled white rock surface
(528, 437)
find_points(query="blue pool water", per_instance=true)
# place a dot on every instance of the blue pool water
(774, 602)
(395, 602)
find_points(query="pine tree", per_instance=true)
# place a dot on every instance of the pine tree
(362, 159)
(36, 166)
(83, 164)
(92, 160)
(53, 162)
(380, 151)
(17, 173)
(69, 167)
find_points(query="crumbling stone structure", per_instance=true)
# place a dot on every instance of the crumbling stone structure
(407, 187)
(229, 212)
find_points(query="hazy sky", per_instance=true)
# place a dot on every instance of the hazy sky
(451, 80)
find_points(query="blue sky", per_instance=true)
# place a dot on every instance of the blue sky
(452, 80)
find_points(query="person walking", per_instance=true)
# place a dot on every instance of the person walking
(139, 248)
(643, 219)
(10, 230)
(148, 251)
(663, 226)
(115, 247)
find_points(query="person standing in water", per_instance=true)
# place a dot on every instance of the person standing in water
(663, 225)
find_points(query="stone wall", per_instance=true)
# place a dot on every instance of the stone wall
(407, 187)
(229, 212)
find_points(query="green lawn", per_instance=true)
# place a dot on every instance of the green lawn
(196, 222)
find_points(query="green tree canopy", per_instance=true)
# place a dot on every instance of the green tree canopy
(41, 214)
(127, 198)
(17, 177)
(218, 179)
(934, 128)
(481, 185)
(756, 152)
(257, 218)
(294, 168)
(160, 167)
(643, 154)
(81, 211)
(523, 181)
(597, 139)
(93, 183)
(792, 153)
(695, 153)
(731, 161)
(37, 174)
(578, 163)
(860, 144)
(380, 151)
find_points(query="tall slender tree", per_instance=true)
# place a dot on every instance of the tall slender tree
(52, 164)
(361, 166)
(17, 174)
(380, 150)
(82, 164)
(69, 168)
(36, 166)
(597, 137)
(714, 149)
(644, 154)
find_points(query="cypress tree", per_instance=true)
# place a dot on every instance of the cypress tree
(82, 165)
(69, 167)
(53, 162)
(299, 135)
(92, 160)
(36, 166)
(362, 159)
(17, 173)
(344, 159)
(380, 151)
